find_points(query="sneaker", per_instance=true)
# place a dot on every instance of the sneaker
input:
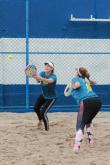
(90, 133)
(76, 147)
(79, 136)
(91, 140)
(78, 140)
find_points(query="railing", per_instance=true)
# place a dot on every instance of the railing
(91, 19)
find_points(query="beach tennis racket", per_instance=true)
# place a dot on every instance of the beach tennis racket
(30, 70)
(68, 90)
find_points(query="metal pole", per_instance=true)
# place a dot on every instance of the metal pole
(27, 53)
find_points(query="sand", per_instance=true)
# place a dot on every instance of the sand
(21, 143)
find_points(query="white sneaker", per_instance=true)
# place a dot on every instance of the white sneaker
(78, 140)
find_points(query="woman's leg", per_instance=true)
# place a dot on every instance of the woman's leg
(79, 128)
(92, 107)
(37, 108)
(90, 133)
(88, 110)
(45, 108)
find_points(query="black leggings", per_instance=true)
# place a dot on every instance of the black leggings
(41, 108)
(88, 110)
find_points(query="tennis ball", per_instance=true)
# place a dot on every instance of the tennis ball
(10, 56)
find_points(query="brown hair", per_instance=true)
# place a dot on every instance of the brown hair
(53, 67)
(84, 73)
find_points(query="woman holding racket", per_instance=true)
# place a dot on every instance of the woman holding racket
(47, 98)
(89, 102)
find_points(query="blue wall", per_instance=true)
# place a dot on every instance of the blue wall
(50, 18)
(12, 18)
(12, 98)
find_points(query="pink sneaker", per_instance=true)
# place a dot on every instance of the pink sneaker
(76, 147)
(78, 140)
(90, 133)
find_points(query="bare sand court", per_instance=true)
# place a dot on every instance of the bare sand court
(21, 143)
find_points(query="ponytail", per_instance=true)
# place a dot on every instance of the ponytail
(85, 74)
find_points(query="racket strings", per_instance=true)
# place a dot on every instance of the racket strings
(30, 70)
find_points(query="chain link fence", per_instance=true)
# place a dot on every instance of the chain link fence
(65, 64)
(66, 54)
